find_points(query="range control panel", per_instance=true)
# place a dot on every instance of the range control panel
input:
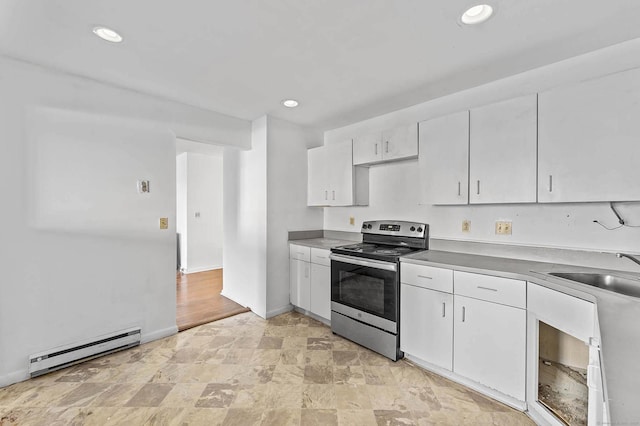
(395, 227)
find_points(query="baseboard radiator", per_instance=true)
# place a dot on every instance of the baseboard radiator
(65, 356)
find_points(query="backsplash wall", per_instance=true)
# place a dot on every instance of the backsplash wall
(394, 195)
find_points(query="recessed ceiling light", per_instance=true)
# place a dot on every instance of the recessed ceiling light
(290, 103)
(477, 14)
(107, 34)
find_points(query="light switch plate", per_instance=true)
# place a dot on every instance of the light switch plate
(466, 226)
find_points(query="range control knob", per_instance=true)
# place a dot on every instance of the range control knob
(364, 225)
(419, 229)
(413, 228)
(369, 226)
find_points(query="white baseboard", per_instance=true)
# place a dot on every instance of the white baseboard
(282, 310)
(14, 377)
(491, 393)
(201, 269)
(314, 316)
(158, 334)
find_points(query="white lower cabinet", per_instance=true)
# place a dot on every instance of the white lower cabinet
(300, 280)
(490, 345)
(321, 290)
(310, 279)
(473, 325)
(426, 331)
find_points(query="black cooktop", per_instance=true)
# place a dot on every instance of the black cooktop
(387, 253)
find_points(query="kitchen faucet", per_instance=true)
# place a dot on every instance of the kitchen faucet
(628, 256)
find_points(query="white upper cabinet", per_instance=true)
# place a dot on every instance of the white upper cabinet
(332, 178)
(589, 140)
(400, 143)
(503, 152)
(317, 185)
(394, 144)
(444, 159)
(367, 148)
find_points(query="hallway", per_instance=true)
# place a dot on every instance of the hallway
(198, 299)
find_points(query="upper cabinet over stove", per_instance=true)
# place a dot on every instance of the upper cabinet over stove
(399, 143)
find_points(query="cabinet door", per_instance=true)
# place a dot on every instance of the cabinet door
(317, 184)
(299, 283)
(490, 345)
(589, 140)
(400, 143)
(367, 149)
(426, 325)
(444, 159)
(339, 166)
(503, 152)
(320, 290)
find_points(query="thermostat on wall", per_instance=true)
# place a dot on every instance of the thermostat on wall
(143, 186)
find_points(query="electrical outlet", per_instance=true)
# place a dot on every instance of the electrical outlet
(503, 228)
(507, 228)
(352, 220)
(164, 223)
(466, 226)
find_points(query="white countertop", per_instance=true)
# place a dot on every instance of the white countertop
(618, 316)
(322, 243)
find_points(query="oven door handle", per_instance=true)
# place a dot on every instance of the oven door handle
(370, 263)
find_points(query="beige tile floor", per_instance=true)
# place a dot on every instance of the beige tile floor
(243, 370)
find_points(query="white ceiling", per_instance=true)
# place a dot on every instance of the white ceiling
(344, 60)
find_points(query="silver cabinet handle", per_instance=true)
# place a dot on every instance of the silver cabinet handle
(443, 309)
(463, 314)
(334, 195)
(550, 183)
(387, 150)
(478, 187)
(487, 288)
(424, 276)
(376, 149)
(458, 188)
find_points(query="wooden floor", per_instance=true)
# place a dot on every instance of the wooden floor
(199, 300)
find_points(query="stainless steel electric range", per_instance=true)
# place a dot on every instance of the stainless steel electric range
(365, 284)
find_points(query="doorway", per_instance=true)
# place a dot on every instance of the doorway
(199, 240)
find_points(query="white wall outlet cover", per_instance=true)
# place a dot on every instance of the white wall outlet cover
(144, 186)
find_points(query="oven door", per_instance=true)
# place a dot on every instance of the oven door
(365, 290)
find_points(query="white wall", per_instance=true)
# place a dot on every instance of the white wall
(204, 196)
(394, 187)
(265, 197)
(245, 222)
(81, 251)
(181, 206)
(287, 204)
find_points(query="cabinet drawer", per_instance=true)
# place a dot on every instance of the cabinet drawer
(427, 277)
(320, 256)
(299, 252)
(506, 291)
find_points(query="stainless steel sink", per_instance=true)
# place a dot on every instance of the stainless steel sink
(614, 283)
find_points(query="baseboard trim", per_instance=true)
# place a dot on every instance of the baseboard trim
(275, 312)
(491, 393)
(202, 269)
(158, 334)
(14, 377)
